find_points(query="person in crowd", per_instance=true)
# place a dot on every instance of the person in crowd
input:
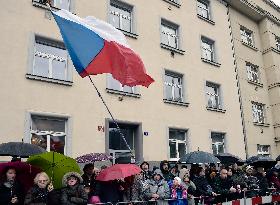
(203, 187)
(42, 193)
(178, 192)
(11, 191)
(274, 179)
(251, 182)
(174, 171)
(88, 177)
(211, 173)
(111, 191)
(73, 192)
(191, 188)
(135, 188)
(165, 169)
(145, 166)
(157, 188)
(238, 177)
(224, 187)
(263, 181)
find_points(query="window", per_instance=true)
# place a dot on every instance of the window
(213, 95)
(203, 8)
(50, 59)
(173, 86)
(120, 16)
(258, 112)
(113, 84)
(218, 142)
(48, 133)
(263, 150)
(169, 34)
(246, 36)
(253, 73)
(60, 4)
(207, 46)
(277, 39)
(177, 144)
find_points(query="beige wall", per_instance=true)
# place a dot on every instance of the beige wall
(80, 103)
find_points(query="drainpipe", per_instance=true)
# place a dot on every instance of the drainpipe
(238, 84)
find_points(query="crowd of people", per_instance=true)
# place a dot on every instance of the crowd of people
(162, 185)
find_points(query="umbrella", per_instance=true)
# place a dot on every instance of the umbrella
(261, 161)
(227, 158)
(25, 173)
(278, 158)
(118, 171)
(20, 149)
(93, 157)
(55, 165)
(199, 157)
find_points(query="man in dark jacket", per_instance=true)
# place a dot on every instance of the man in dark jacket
(224, 187)
(165, 169)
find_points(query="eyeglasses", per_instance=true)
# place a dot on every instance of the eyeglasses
(41, 181)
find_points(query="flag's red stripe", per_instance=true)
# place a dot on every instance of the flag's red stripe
(256, 200)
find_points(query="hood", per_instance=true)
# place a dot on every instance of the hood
(158, 171)
(69, 174)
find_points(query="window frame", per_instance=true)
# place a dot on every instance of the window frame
(177, 141)
(36, 38)
(178, 76)
(173, 26)
(244, 36)
(208, 10)
(211, 43)
(126, 8)
(223, 143)
(218, 95)
(256, 113)
(68, 127)
(263, 153)
(253, 73)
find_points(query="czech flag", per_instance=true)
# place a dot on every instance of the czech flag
(97, 47)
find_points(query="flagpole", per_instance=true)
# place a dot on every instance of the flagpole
(115, 122)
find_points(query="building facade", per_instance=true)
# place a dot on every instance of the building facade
(216, 87)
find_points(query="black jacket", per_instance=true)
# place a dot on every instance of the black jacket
(74, 195)
(202, 186)
(7, 193)
(37, 196)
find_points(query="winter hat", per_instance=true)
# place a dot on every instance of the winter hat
(71, 174)
(178, 180)
(249, 167)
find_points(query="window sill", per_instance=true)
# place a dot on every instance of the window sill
(261, 124)
(118, 92)
(271, 49)
(185, 104)
(43, 6)
(176, 50)
(206, 19)
(216, 109)
(173, 3)
(211, 62)
(249, 46)
(255, 83)
(129, 34)
(49, 80)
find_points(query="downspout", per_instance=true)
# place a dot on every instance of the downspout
(238, 84)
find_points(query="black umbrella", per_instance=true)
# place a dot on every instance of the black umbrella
(20, 149)
(199, 157)
(227, 158)
(261, 161)
(278, 158)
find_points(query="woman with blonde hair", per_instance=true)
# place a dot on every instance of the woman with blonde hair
(41, 192)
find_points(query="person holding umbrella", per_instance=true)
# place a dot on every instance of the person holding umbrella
(42, 192)
(73, 191)
(11, 191)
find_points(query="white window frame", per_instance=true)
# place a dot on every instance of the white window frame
(49, 56)
(177, 142)
(205, 50)
(134, 89)
(53, 3)
(200, 9)
(124, 7)
(258, 110)
(173, 85)
(217, 144)
(253, 73)
(261, 152)
(172, 26)
(277, 42)
(247, 36)
(214, 96)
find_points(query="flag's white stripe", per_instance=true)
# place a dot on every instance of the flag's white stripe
(102, 28)
(266, 199)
